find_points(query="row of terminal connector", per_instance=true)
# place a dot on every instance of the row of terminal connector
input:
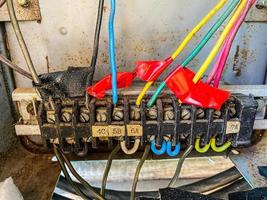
(72, 124)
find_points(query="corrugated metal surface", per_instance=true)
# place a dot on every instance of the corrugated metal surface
(149, 29)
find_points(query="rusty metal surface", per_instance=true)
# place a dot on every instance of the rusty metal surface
(30, 13)
(248, 160)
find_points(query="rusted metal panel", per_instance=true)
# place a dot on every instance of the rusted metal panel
(30, 13)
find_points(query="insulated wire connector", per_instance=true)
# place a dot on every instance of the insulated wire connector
(184, 43)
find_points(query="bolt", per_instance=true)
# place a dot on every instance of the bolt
(117, 114)
(232, 111)
(84, 115)
(30, 109)
(152, 113)
(135, 113)
(168, 113)
(23, 3)
(50, 116)
(261, 4)
(101, 115)
(200, 113)
(185, 114)
(217, 114)
(63, 30)
(66, 116)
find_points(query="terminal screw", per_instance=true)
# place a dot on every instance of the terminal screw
(168, 113)
(66, 116)
(135, 113)
(50, 116)
(185, 114)
(117, 114)
(84, 115)
(217, 114)
(232, 111)
(152, 113)
(200, 113)
(101, 115)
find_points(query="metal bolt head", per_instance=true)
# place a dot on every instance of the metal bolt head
(217, 114)
(152, 113)
(135, 113)
(261, 4)
(185, 114)
(232, 111)
(23, 3)
(168, 113)
(101, 115)
(66, 116)
(117, 114)
(200, 113)
(84, 115)
(50, 116)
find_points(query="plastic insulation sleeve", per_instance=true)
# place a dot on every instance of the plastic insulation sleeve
(112, 55)
(228, 44)
(220, 41)
(197, 28)
(210, 33)
(184, 43)
(199, 47)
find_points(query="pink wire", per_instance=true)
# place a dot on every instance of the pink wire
(224, 53)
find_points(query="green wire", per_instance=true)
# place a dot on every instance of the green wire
(199, 47)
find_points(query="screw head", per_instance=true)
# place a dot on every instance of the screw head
(101, 115)
(200, 113)
(117, 114)
(217, 114)
(135, 113)
(185, 114)
(152, 113)
(84, 115)
(168, 113)
(66, 116)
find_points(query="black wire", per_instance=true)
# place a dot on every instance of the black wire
(237, 186)
(110, 194)
(138, 170)
(107, 168)
(67, 176)
(175, 178)
(219, 180)
(79, 178)
(59, 197)
(96, 42)
(213, 182)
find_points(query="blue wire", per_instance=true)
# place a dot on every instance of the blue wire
(160, 151)
(174, 152)
(112, 55)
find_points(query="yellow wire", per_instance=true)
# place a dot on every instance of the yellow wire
(197, 28)
(184, 43)
(143, 92)
(220, 41)
(221, 148)
(201, 149)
